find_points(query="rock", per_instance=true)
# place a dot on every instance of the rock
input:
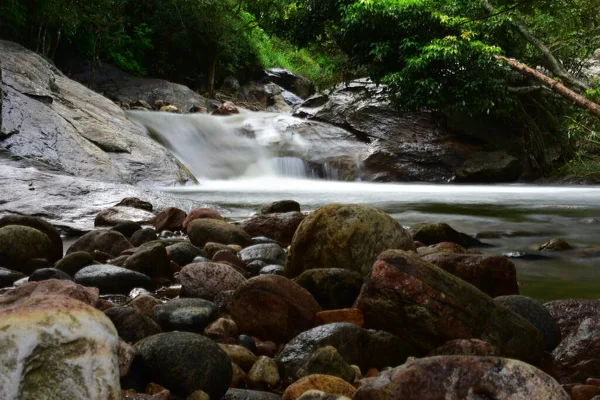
(221, 328)
(109, 242)
(42, 226)
(135, 203)
(249, 343)
(202, 231)
(131, 324)
(495, 166)
(142, 236)
(279, 227)
(170, 219)
(325, 383)
(362, 347)
(73, 262)
(555, 245)
(352, 315)
(239, 355)
(230, 258)
(127, 228)
(191, 315)
(183, 253)
(239, 376)
(74, 347)
(268, 253)
(263, 374)
(8, 277)
(227, 108)
(145, 304)
(101, 142)
(537, 314)
(255, 267)
(320, 395)
(169, 108)
(52, 287)
(577, 357)
(272, 308)
(115, 215)
(282, 206)
(48, 273)
(212, 248)
(110, 279)
(569, 314)
(126, 354)
(272, 270)
(344, 236)
(198, 213)
(584, 392)
(326, 361)
(20, 244)
(466, 347)
(185, 362)
(437, 233)
(150, 259)
(242, 394)
(294, 83)
(493, 275)
(427, 306)
(462, 377)
(206, 280)
(230, 85)
(333, 288)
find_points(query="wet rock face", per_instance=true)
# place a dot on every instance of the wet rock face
(577, 357)
(74, 347)
(462, 377)
(572, 312)
(344, 236)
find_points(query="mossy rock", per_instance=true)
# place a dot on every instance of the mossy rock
(19, 244)
(202, 231)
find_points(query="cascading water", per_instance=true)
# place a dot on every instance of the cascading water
(255, 144)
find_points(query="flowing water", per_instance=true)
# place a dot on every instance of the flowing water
(245, 161)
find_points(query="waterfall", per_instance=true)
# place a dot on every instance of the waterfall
(255, 144)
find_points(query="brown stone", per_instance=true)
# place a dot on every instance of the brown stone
(207, 280)
(584, 392)
(202, 231)
(263, 374)
(229, 257)
(169, 219)
(266, 348)
(115, 215)
(154, 388)
(577, 357)
(352, 315)
(569, 314)
(198, 213)
(198, 395)
(593, 381)
(126, 356)
(227, 108)
(135, 203)
(278, 226)
(372, 373)
(239, 376)
(239, 355)
(325, 383)
(221, 328)
(466, 347)
(56, 287)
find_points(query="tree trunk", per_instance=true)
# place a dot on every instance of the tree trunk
(552, 63)
(553, 85)
(54, 45)
(211, 76)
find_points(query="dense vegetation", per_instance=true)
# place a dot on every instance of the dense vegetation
(443, 55)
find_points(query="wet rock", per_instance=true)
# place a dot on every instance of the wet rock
(145, 304)
(169, 108)
(462, 377)
(239, 376)
(268, 253)
(344, 236)
(135, 203)
(466, 347)
(555, 245)
(126, 354)
(326, 361)
(320, 395)
(494, 166)
(52, 287)
(352, 315)
(127, 228)
(277, 226)
(325, 383)
(537, 314)
(212, 248)
(272, 270)
(74, 347)
(142, 236)
(8, 277)
(493, 275)
(169, 219)
(584, 392)
(202, 231)
(296, 84)
(106, 241)
(263, 374)
(116, 215)
(191, 315)
(229, 257)
(183, 253)
(198, 213)
(242, 394)
(227, 108)
(577, 357)
(254, 267)
(150, 259)
(427, 306)
(362, 347)
(20, 244)
(262, 240)
(281, 206)
(50, 231)
(73, 262)
(569, 314)
(131, 324)
(110, 279)
(48, 273)
(239, 355)
(247, 342)
(272, 308)
(333, 288)
(221, 328)
(437, 233)
(206, 280)
(185, 362)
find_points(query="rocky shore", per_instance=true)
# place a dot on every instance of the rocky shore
(339, 303)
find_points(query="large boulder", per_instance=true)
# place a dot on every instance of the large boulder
(208, 279)
(462, 377)
(40, 225)
(495, 166)
(57, 347)
(277, 226)
(570, 313)
(19, 244)
(272, 308)
(428, 306)
(344, 236)
(333, 288)
(44, 106)
(109, 242)
(294, 83)
(577, 357)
